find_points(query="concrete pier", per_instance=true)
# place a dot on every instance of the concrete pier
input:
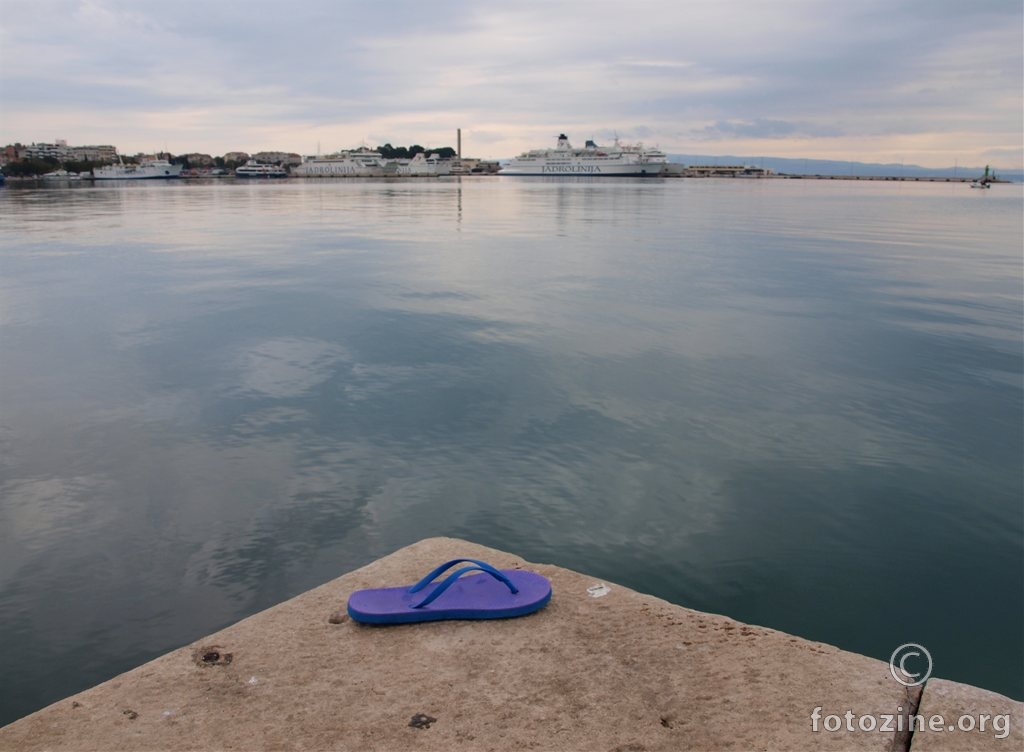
(598, 669)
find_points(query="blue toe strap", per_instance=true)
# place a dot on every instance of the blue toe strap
(448, 581)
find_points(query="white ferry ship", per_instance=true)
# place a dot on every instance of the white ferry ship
(254, 169)
(361, 163)
(620, 160)
(149, 169)
(424, 166)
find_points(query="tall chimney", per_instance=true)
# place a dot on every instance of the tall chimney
(458, 143)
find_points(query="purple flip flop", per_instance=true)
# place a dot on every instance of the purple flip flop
(493, 594)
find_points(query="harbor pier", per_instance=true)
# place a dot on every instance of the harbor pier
(601, 667)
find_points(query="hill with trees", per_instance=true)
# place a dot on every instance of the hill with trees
(403, 152)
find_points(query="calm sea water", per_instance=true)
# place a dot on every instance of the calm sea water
(797, 403)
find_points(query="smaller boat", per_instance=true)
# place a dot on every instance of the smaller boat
(254, 169)
(62, 175)
(985, 181)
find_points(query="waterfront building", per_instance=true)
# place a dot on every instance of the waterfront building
(104, 153)
(725, 171)
(57, 150)
(277, 157)
(195, 159)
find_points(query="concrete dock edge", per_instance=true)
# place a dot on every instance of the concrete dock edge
(622, 671)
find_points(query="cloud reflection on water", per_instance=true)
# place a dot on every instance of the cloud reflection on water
(705, 391)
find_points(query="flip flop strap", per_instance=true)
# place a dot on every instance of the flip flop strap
(448, 581)
(482, 565)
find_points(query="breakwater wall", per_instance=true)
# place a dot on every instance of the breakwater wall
(602, 667)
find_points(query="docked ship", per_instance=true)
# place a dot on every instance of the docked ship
(360, 163)
(424, 166)
(254, 169)
(620, 160)
(150, 169)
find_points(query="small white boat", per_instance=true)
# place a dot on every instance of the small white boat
(254, 169)
(985, 181)
(62, 175)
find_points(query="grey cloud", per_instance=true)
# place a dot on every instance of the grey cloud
(764, 128)
(795, 68)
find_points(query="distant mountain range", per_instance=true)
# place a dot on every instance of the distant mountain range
(832, 167)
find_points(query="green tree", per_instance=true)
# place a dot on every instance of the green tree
(84, 166)
(28, 168)
(407, 152)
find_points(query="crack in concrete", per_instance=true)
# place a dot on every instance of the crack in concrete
(904, 735)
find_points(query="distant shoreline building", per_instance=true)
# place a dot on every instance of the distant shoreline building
(196, 159)
(277, 157)
(62, 152)
(720, 171)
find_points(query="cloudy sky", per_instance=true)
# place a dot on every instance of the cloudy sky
(928, 82)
